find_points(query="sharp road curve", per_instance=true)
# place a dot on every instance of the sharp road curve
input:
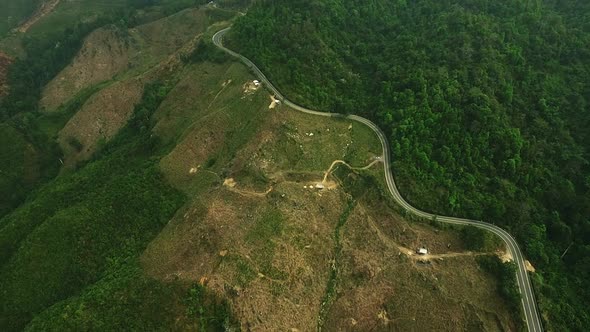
(528, 297)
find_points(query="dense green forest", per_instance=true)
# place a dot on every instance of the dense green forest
(486, 104)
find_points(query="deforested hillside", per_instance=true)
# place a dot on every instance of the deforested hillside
(486, 104)
(45, 81)
(109, 73)
(149, 183)
(70, 238)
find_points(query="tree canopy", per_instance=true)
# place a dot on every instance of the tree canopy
(486, 104)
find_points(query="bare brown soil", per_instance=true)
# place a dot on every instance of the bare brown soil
(529, 266)
(250, 87)
(150, 50)
(273, 103)
(277, 281)
(193, 152)
(132, 58)
(231, 185)
(381, 289)
(278, 287)
(99, 119)
(45, 8)
(103, 55)
(5, 62)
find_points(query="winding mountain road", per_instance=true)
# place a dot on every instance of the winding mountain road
(529, 303)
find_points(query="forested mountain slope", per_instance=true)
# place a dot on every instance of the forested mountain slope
(485, 103)
(70, 238)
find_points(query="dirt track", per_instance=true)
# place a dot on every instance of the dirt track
(336, 162)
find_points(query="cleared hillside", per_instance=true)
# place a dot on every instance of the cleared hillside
(285, 253)
(485, 104)
(185, 198)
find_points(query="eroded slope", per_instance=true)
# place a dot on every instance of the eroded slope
(108, 75)
(288, 246)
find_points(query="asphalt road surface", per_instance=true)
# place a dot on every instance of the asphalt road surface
(529, 303)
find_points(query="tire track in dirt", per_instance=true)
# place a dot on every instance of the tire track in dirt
(336, 162)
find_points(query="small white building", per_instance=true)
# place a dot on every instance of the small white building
(422, 251)
(256, 82)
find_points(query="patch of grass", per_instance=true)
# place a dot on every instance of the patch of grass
(245, 272)
(479, 240)
(241, 130)
(505, 273)
(12, 12)
(277, 289)
(365, 145)
(252, 177)
(187, 105)
(230, 120)
(306, 143)
(332, 285)
(125, 299)
(287, 149)
(269, 225)
(211, 313)
(201, 182)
